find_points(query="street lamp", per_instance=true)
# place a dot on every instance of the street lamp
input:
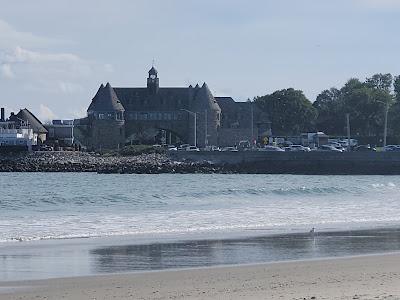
(386, 121)
(195, 124)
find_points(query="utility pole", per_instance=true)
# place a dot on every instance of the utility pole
(252, 124)
(348, 131)
(386, 121)
(205, 129)
(194, 114)
(195, 129)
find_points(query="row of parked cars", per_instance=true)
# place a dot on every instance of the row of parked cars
(332, 147)
(187, 147)
(328, 147)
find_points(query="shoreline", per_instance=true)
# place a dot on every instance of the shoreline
(58, 259)
(353, 277)
(206, 162)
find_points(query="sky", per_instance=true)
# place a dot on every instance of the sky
(55, 54)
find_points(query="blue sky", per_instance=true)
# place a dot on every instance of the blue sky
(55, 54)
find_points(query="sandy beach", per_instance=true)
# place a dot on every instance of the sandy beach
(364, 277)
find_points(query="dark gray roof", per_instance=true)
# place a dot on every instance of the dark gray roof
(106, 100)
(30, 118)
(225, 100)
(204, 99)
(239, 112)
(153, 71)
(165, 98)
(171, 98)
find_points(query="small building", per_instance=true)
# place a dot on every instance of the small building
(26, 118)
(21, 137)
(16, 135)
(61, 131)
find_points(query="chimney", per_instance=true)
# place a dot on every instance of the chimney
(2, 119)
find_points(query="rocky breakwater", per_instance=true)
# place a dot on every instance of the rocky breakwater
(153, 163)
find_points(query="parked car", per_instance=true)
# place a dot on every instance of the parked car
(229, 149)
(244, 145)
(329, 148)
(271, 148)
(172, 148)
(286, 144)
(183, 147)
(337, 146)
(45, 148)
(391, 148)
(192, 148)
(364, 148)
(299, 148)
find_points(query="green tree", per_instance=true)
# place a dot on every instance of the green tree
(394, 112)
(380, 81)
(364, 101)
(289, 110)
(330, 118)
(366, 104)
(396, 87)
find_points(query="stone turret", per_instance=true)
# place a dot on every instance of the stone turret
(106, 117)
(208, 116)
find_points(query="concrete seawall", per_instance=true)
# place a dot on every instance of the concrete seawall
(380, 163)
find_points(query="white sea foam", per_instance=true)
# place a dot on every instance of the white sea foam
(91, 205)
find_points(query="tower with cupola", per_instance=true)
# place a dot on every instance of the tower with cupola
(153, 83)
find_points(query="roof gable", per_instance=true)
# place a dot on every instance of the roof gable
(34, 122)
(106, 100)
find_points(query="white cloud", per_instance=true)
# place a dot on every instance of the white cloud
(69, 87)
(46, 114)
(11, 37)
(6, 72)
(80, 113)
(21, 55)
(39, 70)
(49, 72)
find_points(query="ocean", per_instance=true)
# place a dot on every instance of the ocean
(79, 217)
(39, 206)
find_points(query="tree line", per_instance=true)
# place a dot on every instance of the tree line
(366, 102)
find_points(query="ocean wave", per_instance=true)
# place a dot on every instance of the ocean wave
(211, 230)
(301, 190)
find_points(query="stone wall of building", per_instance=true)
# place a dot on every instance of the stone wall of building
(107, 134)
(232, 137)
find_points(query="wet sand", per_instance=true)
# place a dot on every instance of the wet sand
(88, 257)
(364, 277)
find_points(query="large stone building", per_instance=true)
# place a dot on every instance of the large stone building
(153, 114)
